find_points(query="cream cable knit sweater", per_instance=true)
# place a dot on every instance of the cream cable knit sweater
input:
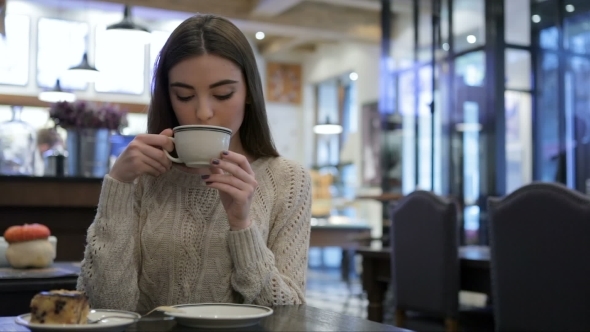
(166, 241)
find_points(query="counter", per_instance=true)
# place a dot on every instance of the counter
(66, 205)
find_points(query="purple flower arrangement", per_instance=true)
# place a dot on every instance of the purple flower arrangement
(85, 115)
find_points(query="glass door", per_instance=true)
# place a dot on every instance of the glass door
(467, 137)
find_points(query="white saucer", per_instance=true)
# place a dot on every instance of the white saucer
(219, 315)
(107, 325)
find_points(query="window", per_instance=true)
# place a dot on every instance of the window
(61, 46)
(14, 51)
(335, 104)
(122, 65)
(327, 112)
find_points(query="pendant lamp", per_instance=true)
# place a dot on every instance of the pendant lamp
(56, 95)
(128, 31)
(83, 71)
(327, 128)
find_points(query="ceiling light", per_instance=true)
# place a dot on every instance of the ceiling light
(471, 39)
(56, 95)
(446, 46)
(260, 35)
(127, 30)
(570, 8)
(327, 128)
(83, 72)
(536, 18)
(353, 76)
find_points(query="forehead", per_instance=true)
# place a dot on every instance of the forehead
(205, 69)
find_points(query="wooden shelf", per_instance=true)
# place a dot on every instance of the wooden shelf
(33, 101)
(49, 192)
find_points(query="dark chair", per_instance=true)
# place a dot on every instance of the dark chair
(424, 259)
(540, 252)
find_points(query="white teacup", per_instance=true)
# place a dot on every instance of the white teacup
(196, 145)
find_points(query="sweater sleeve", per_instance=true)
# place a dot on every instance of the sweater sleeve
(274, 273)
(109, 271)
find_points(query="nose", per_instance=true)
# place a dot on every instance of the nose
(203, 111)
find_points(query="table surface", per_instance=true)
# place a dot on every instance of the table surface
(56, 270)
(284, 318)
(341, 226)
(467, 253)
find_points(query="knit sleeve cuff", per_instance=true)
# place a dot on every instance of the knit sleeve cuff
(247, 246)
(116, 197)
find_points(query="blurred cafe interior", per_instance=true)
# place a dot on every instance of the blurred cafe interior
(470, 100)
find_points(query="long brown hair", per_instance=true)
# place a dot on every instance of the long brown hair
(210, 34)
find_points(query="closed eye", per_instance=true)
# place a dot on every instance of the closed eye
(180, 98)
(225, 97)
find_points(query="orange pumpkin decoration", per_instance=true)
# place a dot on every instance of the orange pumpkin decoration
(26, 232)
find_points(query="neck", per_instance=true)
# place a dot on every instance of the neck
(235, 145)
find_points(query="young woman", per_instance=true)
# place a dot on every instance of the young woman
(237, 232)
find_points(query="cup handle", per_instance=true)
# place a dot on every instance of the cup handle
(176, 160)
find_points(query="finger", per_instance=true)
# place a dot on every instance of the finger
(157, 155)
(152, 164)
(167, 132)
(215, 170)
(145, 168)
(151, 171)
(235, 170)
(159, 141)
(234, 192)
(138, 148)
(169, 146)
(229, 180)
(237, 159)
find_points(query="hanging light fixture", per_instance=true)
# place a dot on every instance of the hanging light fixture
(327, 128)
(127, 30)
(83, 71)
(56, 94)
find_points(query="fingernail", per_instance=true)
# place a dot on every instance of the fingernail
(215, 161)
(208, 182)
(204, 177)
(225, 152)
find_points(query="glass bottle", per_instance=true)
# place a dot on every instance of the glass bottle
(18, 145)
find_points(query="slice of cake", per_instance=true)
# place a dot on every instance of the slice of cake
(59, 307)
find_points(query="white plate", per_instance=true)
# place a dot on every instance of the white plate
(219, 315)
(119, 323)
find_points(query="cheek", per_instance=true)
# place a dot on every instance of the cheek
(182, 111)
(229, 115)
(236, 115)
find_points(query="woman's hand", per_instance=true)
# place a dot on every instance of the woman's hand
(144, 155)
(236, 186)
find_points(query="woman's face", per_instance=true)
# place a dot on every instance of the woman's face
(208, 90)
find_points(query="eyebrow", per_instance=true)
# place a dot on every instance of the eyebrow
(182, 85)
(214, 85)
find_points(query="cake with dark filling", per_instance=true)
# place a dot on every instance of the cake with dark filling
(60, 307)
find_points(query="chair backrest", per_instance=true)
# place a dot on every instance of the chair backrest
(540, 254)
(424, 258)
